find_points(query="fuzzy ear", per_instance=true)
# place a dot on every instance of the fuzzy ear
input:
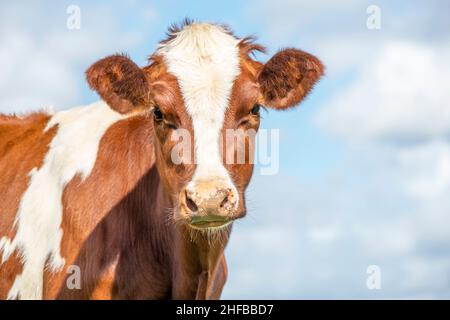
(119, 82)
(288, 77)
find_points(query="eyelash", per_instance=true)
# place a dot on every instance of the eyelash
(157, 114)
(255, 110)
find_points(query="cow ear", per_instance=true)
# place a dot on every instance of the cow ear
(288, 77)
(119, 82)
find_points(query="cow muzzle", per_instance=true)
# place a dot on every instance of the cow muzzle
(209, 203)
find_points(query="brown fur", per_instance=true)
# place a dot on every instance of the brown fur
(130, 250)
(23, 145)
(288, 77)
(120, 225)
(120, 82)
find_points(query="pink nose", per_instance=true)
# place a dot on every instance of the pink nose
(209, 198)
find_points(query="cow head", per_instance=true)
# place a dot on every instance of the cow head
(200, 84)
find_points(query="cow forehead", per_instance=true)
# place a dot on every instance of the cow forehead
(205, 60)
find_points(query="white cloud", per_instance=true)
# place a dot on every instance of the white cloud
(388, 201)
(43, 62)
(31, 77)
(323, 234)
(305, 241)
(332, 30)
(399, 101)
(401, 96)
(428, 166)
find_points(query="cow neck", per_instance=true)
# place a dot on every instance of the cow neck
(193, 257)
(195, 261)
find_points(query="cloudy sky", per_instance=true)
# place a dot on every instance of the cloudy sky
(364, 176)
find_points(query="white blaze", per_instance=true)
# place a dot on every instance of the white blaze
(72, 151)
(205, 60)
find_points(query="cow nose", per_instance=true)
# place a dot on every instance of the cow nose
(209, 199)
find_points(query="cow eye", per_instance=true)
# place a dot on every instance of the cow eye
(255, 109)
(157, 114)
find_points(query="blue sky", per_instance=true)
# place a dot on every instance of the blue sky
(364, 161)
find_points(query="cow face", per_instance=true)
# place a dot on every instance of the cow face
(203, 94)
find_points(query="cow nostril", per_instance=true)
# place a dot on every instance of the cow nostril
(224, 201)
(191, 204)
(228, 199)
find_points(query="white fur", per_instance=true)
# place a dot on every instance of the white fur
(72, 151)
(205, 60)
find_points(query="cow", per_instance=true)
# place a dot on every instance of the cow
(93, 205)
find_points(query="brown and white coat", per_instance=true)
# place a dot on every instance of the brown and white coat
(96, 186)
